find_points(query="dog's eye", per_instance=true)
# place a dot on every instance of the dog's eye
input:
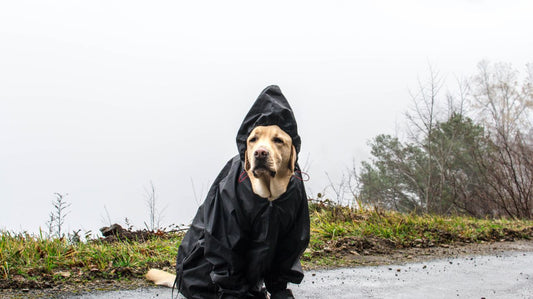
(277, 140)
(253, 139)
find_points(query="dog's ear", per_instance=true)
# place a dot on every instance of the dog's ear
(246, 162)
(292, 159)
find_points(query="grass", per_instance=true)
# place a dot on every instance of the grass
(28, 261)
(337, 230)
(25, 258)
(403, 229)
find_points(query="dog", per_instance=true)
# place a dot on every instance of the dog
(254, 224)
(269, 163)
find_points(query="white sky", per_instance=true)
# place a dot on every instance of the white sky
(97, 98)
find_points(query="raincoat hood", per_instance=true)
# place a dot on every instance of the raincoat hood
(270, 108)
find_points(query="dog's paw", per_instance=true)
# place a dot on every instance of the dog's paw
(284, 294)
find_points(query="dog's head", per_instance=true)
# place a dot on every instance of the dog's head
(269, 152)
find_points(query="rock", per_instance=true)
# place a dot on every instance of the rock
(111, 230)
(65, 274)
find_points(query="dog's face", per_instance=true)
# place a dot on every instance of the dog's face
(269, 152)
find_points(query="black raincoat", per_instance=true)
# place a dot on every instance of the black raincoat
(239, 240)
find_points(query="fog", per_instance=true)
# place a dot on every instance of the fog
(100, 98)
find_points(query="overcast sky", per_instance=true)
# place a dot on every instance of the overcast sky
(98, 98)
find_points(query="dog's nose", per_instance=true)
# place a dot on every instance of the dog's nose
(261, 153)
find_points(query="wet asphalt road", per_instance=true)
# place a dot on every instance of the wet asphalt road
(509, 275)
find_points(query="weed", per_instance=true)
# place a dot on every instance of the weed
(58, 215)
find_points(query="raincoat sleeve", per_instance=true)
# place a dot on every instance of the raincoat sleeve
(286, 265)
(224, 246)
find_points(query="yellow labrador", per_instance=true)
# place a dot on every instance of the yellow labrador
(270, 160)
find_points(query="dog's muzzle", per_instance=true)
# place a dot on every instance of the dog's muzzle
(262, 163)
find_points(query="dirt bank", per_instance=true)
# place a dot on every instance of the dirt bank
(400, 256)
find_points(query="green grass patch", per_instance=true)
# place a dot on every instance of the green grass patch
(329, 222)
(25, 258)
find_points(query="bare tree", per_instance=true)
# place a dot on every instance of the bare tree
(423, 118)
(155, 215)
(504, 106)
(346, 190)
(448, 147)
(339, 189)
(354, 186)
(58, 215)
